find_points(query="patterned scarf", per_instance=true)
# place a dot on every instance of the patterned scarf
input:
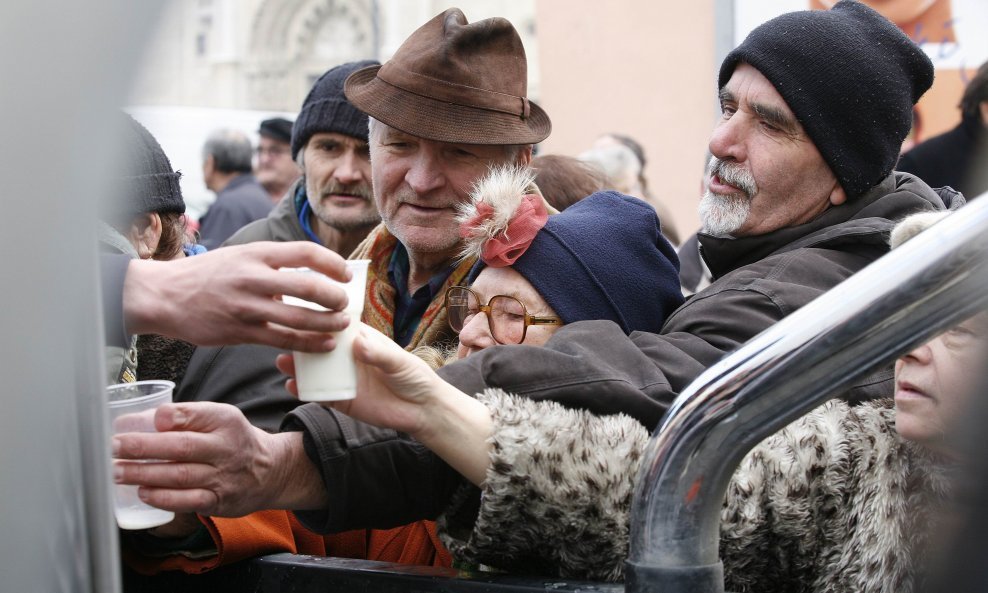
(379, 306)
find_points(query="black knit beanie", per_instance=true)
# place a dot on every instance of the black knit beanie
(850, 76)
(276, 128)
(147, 182)
(326, 108)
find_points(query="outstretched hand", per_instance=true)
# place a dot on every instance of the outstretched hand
(233, 295)
(395, 389)
(217, 463)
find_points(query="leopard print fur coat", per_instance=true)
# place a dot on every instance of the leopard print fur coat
(834, 502)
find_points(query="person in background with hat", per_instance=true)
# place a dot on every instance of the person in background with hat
(144, 218)
(240, 199)
(275, 169)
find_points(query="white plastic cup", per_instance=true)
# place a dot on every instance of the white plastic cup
(132, 407)
(332, 376)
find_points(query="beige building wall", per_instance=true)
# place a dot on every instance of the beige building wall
(637, 67)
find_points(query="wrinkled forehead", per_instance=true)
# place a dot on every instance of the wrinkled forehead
(748, 88)
(506, 281)
(749, 82)
(495, 154)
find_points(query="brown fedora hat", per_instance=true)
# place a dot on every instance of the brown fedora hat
(454, 81)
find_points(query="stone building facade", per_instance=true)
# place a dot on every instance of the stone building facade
(265, 54)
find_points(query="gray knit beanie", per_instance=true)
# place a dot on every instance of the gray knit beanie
(850, 76)
(147, 182)
(326, 108)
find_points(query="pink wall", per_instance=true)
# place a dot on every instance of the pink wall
(642, 68)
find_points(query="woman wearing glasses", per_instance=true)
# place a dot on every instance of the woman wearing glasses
(603, 258)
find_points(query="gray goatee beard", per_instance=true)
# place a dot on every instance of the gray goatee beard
(723, 214)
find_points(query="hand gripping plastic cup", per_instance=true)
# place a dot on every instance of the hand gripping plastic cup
(132, 407)
(332, 376)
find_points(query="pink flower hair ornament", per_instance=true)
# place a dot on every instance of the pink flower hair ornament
(505, 212)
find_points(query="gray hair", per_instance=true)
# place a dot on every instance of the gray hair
(231, 151)
(618, 162)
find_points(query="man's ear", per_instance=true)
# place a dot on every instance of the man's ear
(208, 165)
(837, 195)
(983, 108)
(145, 234)
(524, 158)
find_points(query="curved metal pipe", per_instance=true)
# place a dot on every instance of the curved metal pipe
(927, 285)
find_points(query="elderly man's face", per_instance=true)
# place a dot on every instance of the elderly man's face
(337, 181)
(765, 173)
(418, 184)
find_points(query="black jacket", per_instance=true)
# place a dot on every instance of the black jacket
(950, 159)
(242, 201)
(378, 478)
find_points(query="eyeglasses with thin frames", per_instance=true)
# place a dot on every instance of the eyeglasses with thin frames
(273, 151)
(507, 317)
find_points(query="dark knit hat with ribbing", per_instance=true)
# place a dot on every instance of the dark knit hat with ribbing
(326, 108)
(850, 76)
(604, 257)
(147, 182)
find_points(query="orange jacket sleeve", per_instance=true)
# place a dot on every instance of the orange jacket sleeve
(264, 532)
(270, 532)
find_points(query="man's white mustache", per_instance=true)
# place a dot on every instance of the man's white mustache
(734, 175)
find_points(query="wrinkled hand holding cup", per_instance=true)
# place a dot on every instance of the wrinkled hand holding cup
(132, 407)
(332, 376)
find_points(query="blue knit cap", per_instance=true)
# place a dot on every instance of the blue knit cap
(604, 257)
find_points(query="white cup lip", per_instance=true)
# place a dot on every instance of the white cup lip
(136, 400)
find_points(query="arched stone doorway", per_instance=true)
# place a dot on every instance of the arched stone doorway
(292, 42)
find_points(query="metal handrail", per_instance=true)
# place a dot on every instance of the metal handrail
(925, 286)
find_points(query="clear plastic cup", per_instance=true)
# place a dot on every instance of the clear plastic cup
(332, 376)
(132, 407)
